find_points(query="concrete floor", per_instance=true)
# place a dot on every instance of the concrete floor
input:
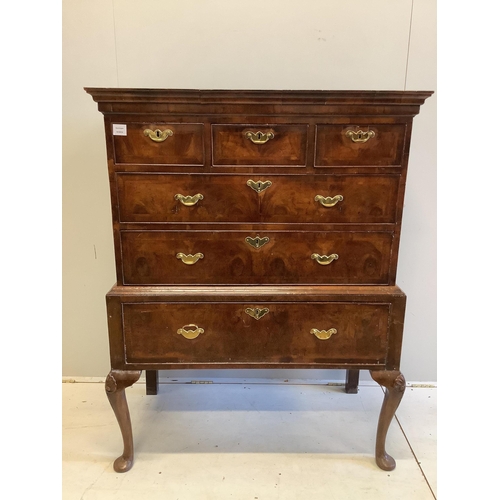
(248, 441)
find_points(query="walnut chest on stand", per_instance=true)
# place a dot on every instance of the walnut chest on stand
(256, 229)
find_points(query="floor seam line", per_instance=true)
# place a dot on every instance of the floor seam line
(415, 456)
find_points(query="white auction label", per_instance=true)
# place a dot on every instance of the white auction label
(119, 129)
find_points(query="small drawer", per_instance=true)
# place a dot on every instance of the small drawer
(281, 145)
(160, 144)
(248, 257)
(267, 332)
(351, 145)
(276, 199)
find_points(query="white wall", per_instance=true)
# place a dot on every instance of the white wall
(278, 44)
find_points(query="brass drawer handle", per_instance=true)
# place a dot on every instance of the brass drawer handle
(257, 242)
(190, 259)
(259, 186)
(259, 137)
(324, 260)
(189, 201)
(323, 334)
(328, 201)
(359, 135)
(158, 135)
(256, 312)
(190, 331)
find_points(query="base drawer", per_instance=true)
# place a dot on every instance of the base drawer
(153, 327)
(263, 332)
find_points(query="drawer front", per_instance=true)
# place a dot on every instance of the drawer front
(183, 198)
(231, 198)
(267, 257)
(330, 199)
(160, 143)
(255, 333)
(259, 145)
(348, 145)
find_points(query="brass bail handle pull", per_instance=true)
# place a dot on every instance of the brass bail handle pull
(189, 259)
(328, 201)
(324, 260)
(360, 135)
(190, 332)
(189, 201)
(259, 137)
(158, 135)
(323, 334)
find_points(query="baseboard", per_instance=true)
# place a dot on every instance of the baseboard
(261, 381)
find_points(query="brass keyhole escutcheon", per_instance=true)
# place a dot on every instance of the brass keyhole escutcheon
(256, 312)
(257, 242)
(259, 186)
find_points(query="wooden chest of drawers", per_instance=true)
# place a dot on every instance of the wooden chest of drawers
(256, 229)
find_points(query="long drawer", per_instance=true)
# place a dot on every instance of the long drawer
(267, 257)
(267, 332)
(151, 197)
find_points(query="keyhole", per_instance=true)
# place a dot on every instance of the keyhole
(259, 135)
(157, 133)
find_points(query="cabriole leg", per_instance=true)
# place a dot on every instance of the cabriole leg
(395, 385)
(116, 383)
